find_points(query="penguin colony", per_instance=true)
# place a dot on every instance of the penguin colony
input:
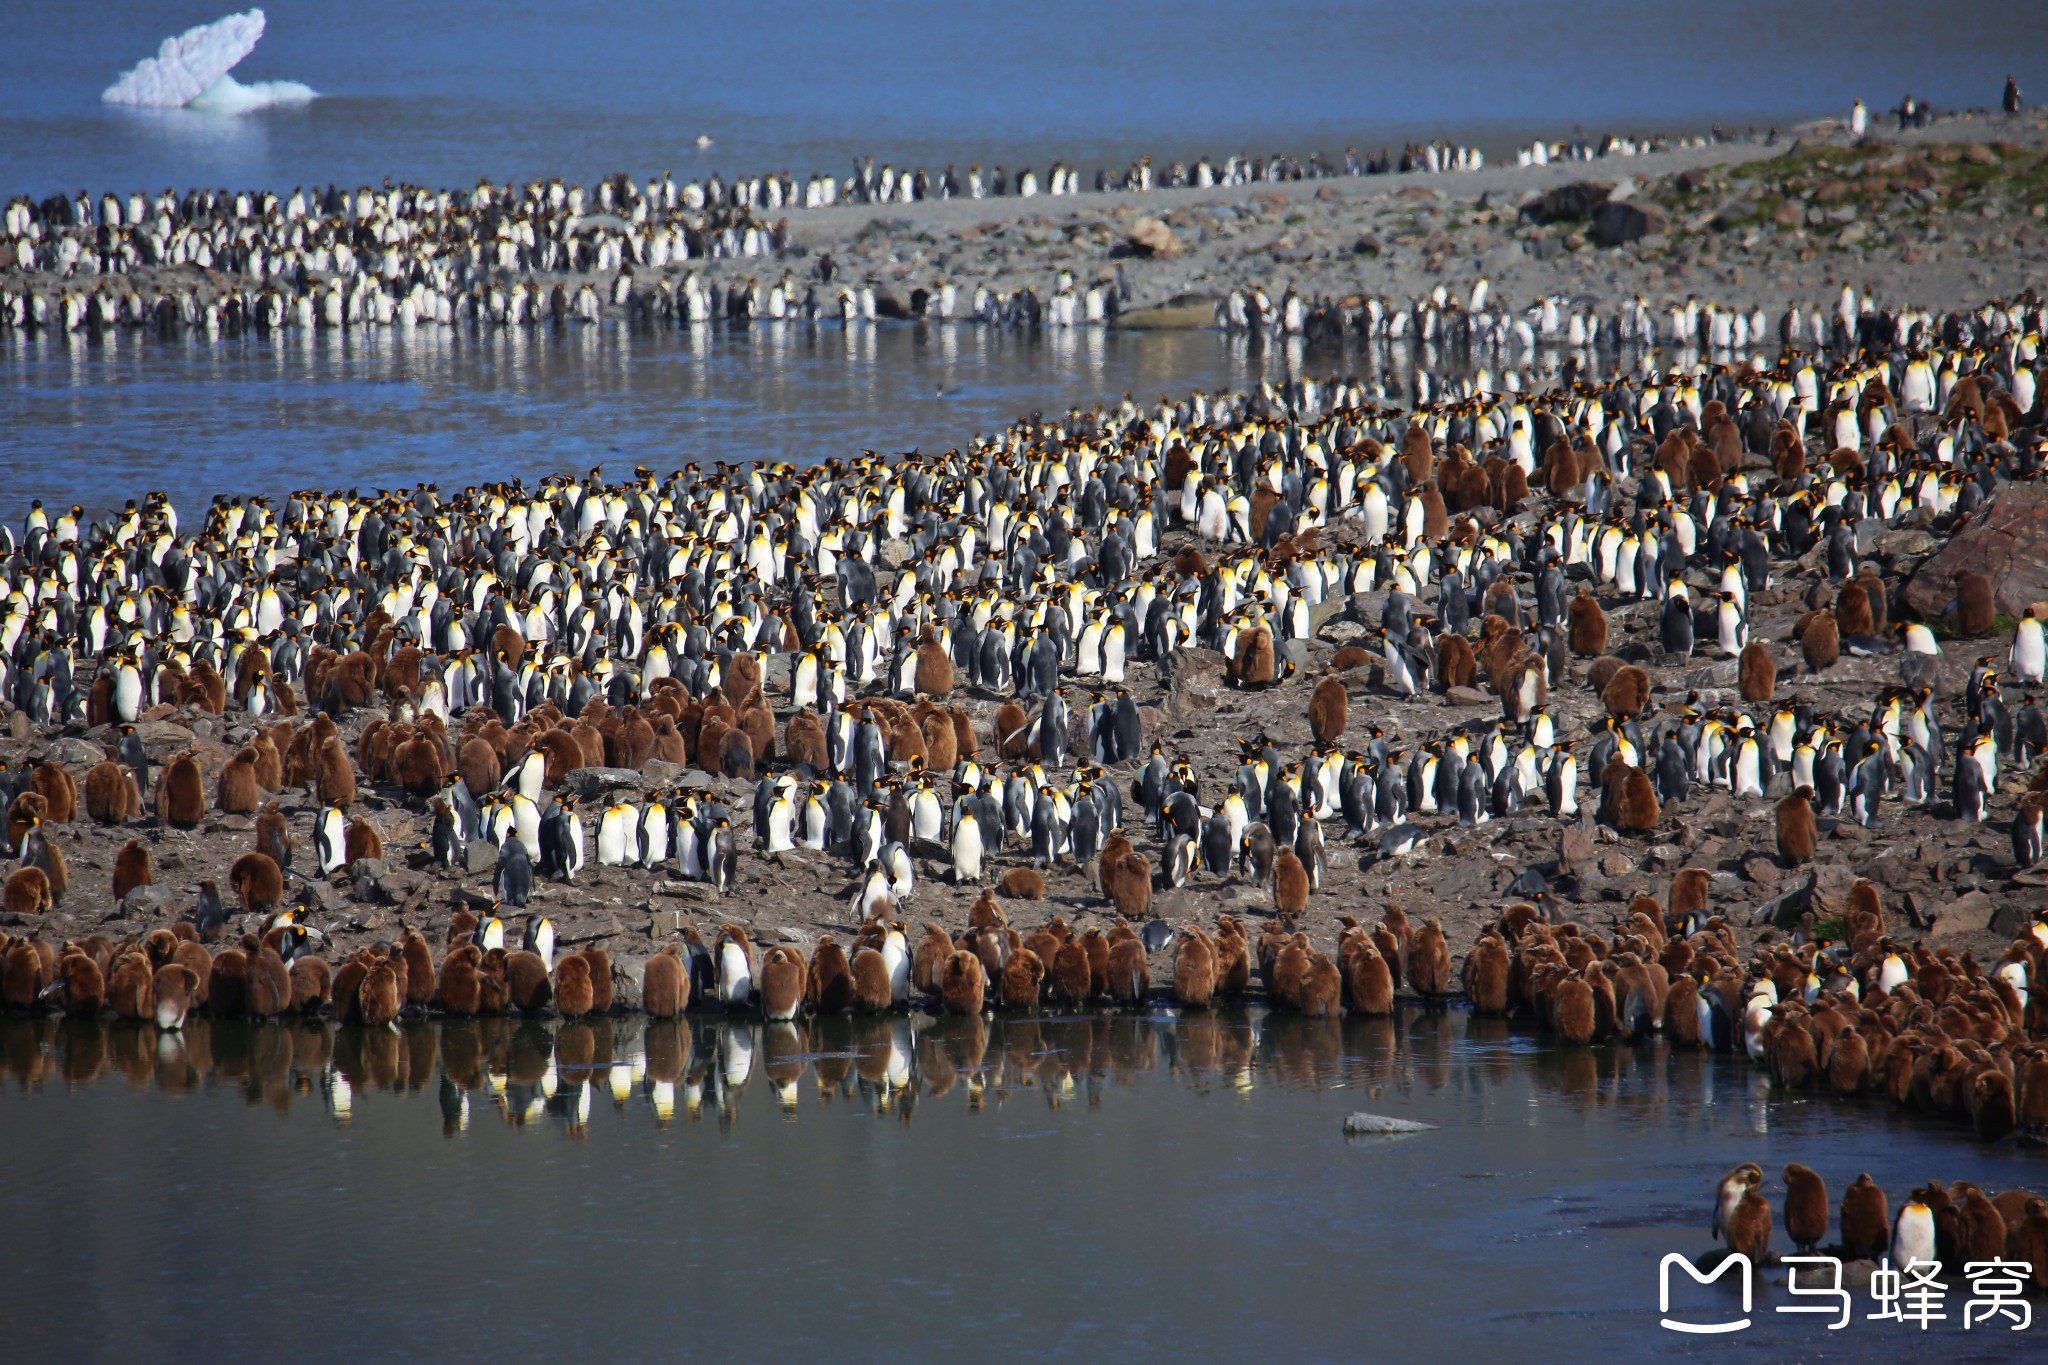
(410, 256)
(1856, 1015)
(816, 643)
(1950, 1224)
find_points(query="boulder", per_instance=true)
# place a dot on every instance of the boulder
(2007, 542)
(1969, 913)
(1619, 221)
(1150, 237)
(592, 783)
(1574, 851)
(147, 902)
(1571, 203)
(73, 752)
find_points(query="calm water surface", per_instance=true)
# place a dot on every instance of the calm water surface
(97, 422)
(1134, 1187)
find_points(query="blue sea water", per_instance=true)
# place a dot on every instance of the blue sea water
(441, 93)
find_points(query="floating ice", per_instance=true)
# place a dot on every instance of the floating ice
(192, 69)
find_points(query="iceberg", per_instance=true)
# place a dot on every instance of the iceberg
(192, 70)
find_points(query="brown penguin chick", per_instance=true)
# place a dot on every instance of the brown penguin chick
(131, 991)
(269, 763)
(965, 743)
(1367, 978)
(804, 742)
(1756, 672)
(236, 792)
(736, 756)
(419, 968)
(1980, 1231)
(828, 985)
(1633, 806)
(1796, 831)
(781, 982)
(986, 912)
(257, 882)
(459, 990)
(462, 925)
(27, 892)
(1486, 975)
(1429, 962)
(227, 986)
(1873, 591)
(347, 988)
(1233, 959)
(1993, 1111)
(418, 765)
(1194, 968)
(21, 977)
(871, 993)
(1071, 981)
(173, 993)
(1012, 731)
(1391, 937)
(1820, 642)
(312, 983)
(941, 749)
(361, 840)
(110, 796)
(934, 673)
(1852, 612)
(930, 959)
(274, 835)
(270, 983)
(1322, 989)
(193, 955)
(1689, 886)
(2026, 1238)
(603, 990)
(1626, 693)
(1129, 976)
(1866, 1221)
(962, 984)
(1976, 608)
(1022, 883)
(334, 779)
(1290, 883)
(1806, 1208)
(1456, 664)
(572, 987)
(23, 813)
(1023, 980)
(527, 981)
(1095, 946)
(1253, 666)
(1572, 1012)
(57, 788)
(476, 763)
(377, 999)
(181, 794)
(1587, 626)
(664, 985)
(57, 869)
(1848, 1063)
(132, 868)
(82, 984)
(1329, 711)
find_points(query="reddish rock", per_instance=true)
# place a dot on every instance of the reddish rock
(2007, 542)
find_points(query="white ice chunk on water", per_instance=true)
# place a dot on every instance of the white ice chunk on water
(192, 69)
